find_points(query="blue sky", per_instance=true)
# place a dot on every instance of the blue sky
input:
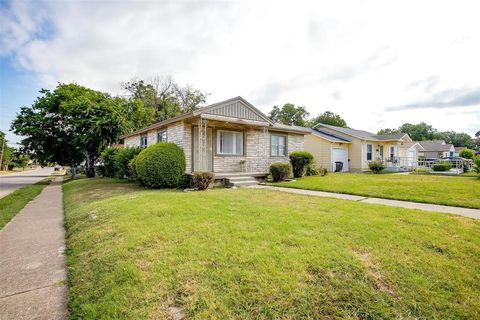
(379, 64)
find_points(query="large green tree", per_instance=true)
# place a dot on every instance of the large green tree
(289, 114)
(70, 124)
(388, 131)
(164, 98)
(330, 118)
(6, 152)
(458, 139)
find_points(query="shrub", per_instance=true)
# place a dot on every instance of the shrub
(476, 165)
(311, 170)
(376, 166)
(280, 171)
(161, 165)
(467, 154)
(108, 167)
(132, 171)
(122, 160)
(323, 171)
(201, 180)
(442, 166)
(299, 160)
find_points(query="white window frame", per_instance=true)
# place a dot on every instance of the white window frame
(235, 142)
(163, 132)
(381, 152)
(143, 146)
(366, 153)
(278, 145)
(392, 152)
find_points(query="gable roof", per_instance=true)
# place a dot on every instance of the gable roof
(435, 145)
(232, 108)
(361, 134)
(329, 137)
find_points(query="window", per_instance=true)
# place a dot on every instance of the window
(380, 152)
(230, 142)
(162, 136)
(143, 142)
(369, 152)
(278, 145)
(392, 152)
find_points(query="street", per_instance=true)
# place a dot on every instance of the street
(13, 181)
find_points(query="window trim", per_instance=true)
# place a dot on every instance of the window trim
(141, 141)
(166, 135)
(286, 145)
(392, 152)
(218, 135)
(381, 152)
(366, 153)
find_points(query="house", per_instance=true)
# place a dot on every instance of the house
(231, 138)
(458, 150)
(355, 148)
(434, 149)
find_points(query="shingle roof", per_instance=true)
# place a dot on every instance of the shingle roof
(435, 145)
(361, 133)
(282, 126)
(329, 136)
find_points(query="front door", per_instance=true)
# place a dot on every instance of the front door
(202, 161)
(411, 156)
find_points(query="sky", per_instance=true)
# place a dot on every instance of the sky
(378, 64)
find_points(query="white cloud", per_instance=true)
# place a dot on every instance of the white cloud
(355, 58)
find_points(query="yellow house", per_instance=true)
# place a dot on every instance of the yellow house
(346, 149)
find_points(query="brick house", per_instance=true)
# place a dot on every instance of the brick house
(231, 138)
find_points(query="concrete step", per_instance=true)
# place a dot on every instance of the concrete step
(238, 179)
(245, 183)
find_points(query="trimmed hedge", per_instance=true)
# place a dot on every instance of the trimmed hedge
(299, 160)
(442, 166)
(201, 180)
(280, 171)
(161, 165)
(376, 166)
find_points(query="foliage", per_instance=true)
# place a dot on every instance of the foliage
(132, 169)
(8, 152)
(476, 141)
(329, 118)
(376, 166)
(299, 160)
(280, 171)
(163, 98)
(289, 114)
(122, 160)
(442, 166)
(375, 262)
(467, 154)
(311, 170)
(161, 165)
(462, 191)
(201, 180)
(69, 125)
(21, 160)
(388, 131)
(322, 171)
(458, 139)
(108, 167)
(476, 165)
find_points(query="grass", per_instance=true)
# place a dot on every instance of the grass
(11, 204)
(257, 254)
(452, 191)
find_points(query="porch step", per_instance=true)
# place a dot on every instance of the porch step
(241, 181)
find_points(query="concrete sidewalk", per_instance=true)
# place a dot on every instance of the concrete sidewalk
(32, 262)
(465, 212)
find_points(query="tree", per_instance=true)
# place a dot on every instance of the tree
(420, 131)
(388, 131)
(6, 152)
(289, 114)
(458, 139)
(467, 154)
(69, 125)
(21, 160)
(164, 97)
(477, 140)
(330, 118)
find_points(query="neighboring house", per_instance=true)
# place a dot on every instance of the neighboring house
(356, 148)
(458, 150)
(228, 137)
(434, 149)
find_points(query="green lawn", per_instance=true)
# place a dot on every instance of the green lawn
(257, 254)
(11, 204)
(453, 191)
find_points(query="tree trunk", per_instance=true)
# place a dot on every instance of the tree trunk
(73, 171)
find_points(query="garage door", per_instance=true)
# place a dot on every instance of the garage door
(340, 155)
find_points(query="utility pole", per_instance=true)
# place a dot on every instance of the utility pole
(1, 156)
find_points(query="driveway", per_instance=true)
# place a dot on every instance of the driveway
(14, 181)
